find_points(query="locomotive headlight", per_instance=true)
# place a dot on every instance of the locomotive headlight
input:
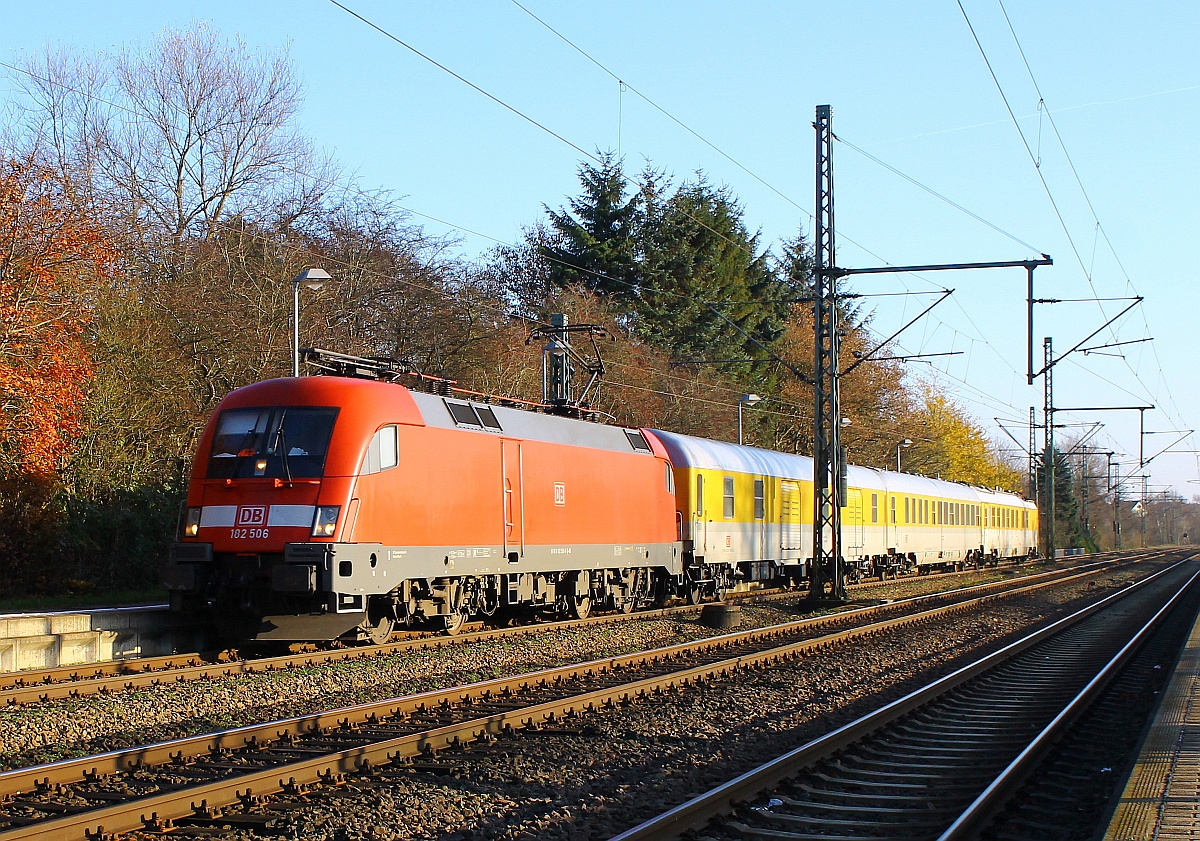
(191, 525)
(260, 467)
(325, 522)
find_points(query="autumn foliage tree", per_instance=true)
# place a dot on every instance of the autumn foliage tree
(950, 445)
(49, 257)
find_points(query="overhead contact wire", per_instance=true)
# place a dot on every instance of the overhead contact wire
(465, 81)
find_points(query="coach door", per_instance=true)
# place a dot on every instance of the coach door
(852, 523)
(514, 500)
(790, 508)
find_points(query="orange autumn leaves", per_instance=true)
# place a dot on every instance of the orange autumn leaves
(50, 255)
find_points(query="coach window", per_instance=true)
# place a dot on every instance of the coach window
(728, 497)
(382, 452)
(874, 508)
(1024, 519)
(699, 495)
(760, 507)
(893, 511)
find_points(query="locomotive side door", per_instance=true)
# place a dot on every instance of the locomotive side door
(513, 504)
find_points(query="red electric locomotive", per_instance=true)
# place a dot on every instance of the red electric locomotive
(322, 507)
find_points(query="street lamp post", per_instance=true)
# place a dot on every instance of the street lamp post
(745, 400)
(903, 445)
(312, 279)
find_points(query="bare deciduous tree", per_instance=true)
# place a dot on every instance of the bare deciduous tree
(185, 132)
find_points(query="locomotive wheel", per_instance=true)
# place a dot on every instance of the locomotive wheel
(629, 599)
(379, 633)
(579, 596)
(378, 625)
(582, 607)
(691, 589)
(452, 623)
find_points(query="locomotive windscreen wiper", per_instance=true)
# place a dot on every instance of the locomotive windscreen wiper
(281, 445)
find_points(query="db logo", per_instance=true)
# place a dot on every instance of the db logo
(252, 515)
(560, 493)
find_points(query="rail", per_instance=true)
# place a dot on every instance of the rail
(371, 729)
(722, 800)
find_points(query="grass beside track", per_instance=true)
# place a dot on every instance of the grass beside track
(89, 601)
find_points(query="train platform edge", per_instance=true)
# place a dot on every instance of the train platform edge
(1161, 797)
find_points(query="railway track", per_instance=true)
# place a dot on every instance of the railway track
(152, 786)
(37, 686)
(943, 761)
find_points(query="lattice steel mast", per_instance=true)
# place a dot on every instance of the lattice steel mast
(828, 457)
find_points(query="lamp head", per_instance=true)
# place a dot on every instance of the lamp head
(312, 279)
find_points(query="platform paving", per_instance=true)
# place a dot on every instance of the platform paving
(68, 638)
(1161, 799)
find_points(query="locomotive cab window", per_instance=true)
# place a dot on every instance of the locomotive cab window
(728, 498)
(277, 442)
(383, 452)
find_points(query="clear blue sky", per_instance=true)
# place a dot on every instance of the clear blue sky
(907, 84)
